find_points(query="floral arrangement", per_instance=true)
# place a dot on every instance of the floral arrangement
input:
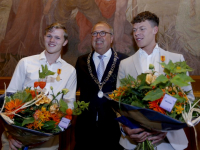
(38, 112)
(32, 109)
(151, 89)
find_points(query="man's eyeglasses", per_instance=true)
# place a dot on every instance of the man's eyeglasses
(102, 33)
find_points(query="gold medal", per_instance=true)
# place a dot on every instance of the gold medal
(162, 58)
(58, 77)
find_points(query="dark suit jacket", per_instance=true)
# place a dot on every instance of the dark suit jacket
(89, 133)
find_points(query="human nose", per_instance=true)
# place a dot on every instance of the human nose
(136, 32)
(98, 35)
(52, 39)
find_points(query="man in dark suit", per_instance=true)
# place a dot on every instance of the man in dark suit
(97, 129)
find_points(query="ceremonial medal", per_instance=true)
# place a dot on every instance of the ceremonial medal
(100, 94)
(162, 58)
(58, 77)
(100, 85)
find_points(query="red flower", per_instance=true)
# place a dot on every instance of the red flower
(155, 106)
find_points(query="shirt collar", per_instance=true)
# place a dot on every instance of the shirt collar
(155, 50)
(43, 57)
(107, 54)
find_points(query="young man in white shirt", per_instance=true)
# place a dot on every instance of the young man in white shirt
(145, 28)
(26, 73)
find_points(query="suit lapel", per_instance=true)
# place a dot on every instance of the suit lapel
(137, 63)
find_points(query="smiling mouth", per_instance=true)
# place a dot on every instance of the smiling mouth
(99, 42)
(138, 39)
(51, 45)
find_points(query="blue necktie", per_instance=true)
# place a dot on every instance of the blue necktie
(100, 68)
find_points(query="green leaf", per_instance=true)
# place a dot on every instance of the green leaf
(7, 99)
(75, 105)
(49, 125)
(166, 71)
(45, 72)
(181, 80)
(128, 80)
(77, 111)
(144, 87)
(142, 78)
(22, 95)
(160, 79)
(28, 120)
(154, 95)
(80, 106)
(182, 67)
(63, 106)
(170, 66)
(179, 99)
(137, 104)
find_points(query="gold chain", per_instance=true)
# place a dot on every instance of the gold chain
(109, 73)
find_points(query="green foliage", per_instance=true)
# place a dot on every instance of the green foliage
(28, 120)
(23, 95)
(127, 80)
(45, 72)
(181, 80)
(63, 106)
(80, 106)
(141, 92)
(154, 95)
(160, 79)
(49, 125)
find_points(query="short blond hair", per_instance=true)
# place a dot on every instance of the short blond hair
(57, 26)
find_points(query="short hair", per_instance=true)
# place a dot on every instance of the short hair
(57, 26)
(146, 15)
(104, 22)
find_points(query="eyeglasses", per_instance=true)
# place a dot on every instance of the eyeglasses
(102, 33)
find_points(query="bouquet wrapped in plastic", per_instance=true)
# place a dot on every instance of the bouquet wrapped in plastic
(31, 117)
(156, 101)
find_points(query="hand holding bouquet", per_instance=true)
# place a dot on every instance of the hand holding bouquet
(31, 117)
(160, 99)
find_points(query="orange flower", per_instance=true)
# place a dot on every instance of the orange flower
(68, 117)
(180, 94)
(154, 105)
(55, 118)
(30, 126)
(69, 111)
(12, 106)
(37, 124)
(37, 114)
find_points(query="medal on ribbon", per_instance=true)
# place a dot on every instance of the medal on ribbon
(58, 76)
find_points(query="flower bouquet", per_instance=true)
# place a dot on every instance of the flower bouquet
(30, 117)
(156, 101)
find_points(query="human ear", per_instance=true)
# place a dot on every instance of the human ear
(155, 30)
(66, 41)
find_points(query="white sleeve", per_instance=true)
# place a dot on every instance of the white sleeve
(18, 77)
(70, 97)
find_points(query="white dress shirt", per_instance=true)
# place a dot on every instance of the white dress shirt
(26, 73)
(146, 59)
(106, 58)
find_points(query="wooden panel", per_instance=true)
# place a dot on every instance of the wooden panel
(196, 85)
(3, 80)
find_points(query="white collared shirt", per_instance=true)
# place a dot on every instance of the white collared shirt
(146, 59)
(106, 58)
(26, 73)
